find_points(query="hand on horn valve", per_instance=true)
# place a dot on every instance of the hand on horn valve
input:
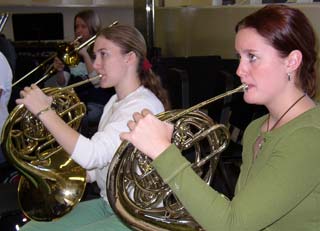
(34, 99)
(148, 134)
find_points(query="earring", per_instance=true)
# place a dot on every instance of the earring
(289, 76)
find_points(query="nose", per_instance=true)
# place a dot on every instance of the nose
(241, 70)
(96, 63)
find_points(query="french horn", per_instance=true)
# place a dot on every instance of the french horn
(51, 183)
(137, 193)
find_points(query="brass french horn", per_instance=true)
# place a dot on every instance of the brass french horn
(137, 193)
(51, 183)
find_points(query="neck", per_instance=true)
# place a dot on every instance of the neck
(291, 110)
(127, 87)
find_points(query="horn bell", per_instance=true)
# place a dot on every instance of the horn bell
(51, 183)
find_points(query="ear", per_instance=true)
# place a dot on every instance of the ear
(293, 61)
(130, 57)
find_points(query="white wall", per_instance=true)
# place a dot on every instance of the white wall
(197, 31)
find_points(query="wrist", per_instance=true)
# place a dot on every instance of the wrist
(159, 150)
(44, 110)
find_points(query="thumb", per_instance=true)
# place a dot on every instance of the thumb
(124, 136)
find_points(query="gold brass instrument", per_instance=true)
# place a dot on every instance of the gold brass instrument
(52, 183)
(137, 193)
(3, 20)
(70, 54)
(67, 52)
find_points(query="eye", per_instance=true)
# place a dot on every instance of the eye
(252, 57)
(102, 54)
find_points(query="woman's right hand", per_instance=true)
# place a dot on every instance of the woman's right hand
(34, 99)
(58, 64)
(148, 134)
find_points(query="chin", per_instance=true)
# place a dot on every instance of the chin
(249, 100)
(104, 85)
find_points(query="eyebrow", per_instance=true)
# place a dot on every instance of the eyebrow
(249, 50)
(246, 51)
(101, 49)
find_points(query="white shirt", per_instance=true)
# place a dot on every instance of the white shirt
(96, 153)
(5, 86)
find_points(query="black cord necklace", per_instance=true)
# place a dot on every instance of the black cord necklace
(260, 140)
(276, 123)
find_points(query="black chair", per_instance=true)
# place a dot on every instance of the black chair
(177, 84)
(200, 74)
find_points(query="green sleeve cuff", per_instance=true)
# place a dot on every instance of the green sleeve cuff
(170, 163)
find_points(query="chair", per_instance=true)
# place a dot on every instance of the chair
(177, 84)
(175, 80)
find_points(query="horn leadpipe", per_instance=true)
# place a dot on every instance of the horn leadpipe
(241, 88)
(81, 83)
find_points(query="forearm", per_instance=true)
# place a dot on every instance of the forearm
(207, 206)
(65, 135)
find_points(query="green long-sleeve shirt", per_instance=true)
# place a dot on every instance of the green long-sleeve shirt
(278, 191)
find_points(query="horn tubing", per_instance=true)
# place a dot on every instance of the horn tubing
(91, 40)
(88, 42)
(50, 72)
(81, 83)
(241, 88)
(33, 70)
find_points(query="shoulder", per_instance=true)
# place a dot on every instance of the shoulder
(256, 124)
(144, 98)
(306, 126)
(301, 135)
(305, 123)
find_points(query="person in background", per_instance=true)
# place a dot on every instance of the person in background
(279, 183)
(5, 93)
(7, 67)
(86, 24)
(120, 53)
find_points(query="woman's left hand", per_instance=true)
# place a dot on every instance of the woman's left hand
(148, 134)
(34, 99)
